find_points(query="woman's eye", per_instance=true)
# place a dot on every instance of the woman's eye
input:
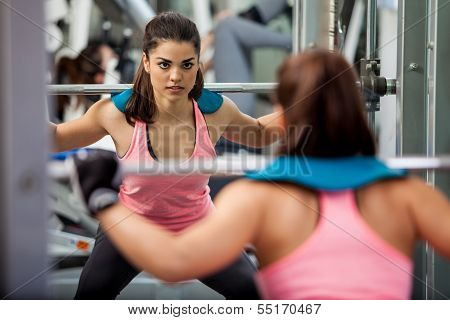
(163, 65)
(187, 65)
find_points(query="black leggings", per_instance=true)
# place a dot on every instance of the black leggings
(106, 273)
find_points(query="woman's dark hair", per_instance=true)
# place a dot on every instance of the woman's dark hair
(80, 70)
(165, 26)
(323, 108)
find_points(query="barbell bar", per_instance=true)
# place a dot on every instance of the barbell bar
(237, 166)
(96, 89)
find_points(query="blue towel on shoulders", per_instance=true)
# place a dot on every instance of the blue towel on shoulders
(209, 102)
(327, 174)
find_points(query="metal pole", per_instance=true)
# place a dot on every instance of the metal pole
(354, 31)
(400, 77)
(139, 11)
(23, 142)
(296, 23)
(332, 24)
(202, 15)
(370, 49)
(412, 89)
(431, 138)
(315, 24)
(371, 29)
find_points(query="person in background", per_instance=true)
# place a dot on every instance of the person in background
(234, 38)
(88, 67)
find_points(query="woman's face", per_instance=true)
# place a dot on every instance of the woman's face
(173, 69)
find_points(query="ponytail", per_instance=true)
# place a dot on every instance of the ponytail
(141, 105)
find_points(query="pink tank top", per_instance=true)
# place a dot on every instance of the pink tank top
(343, 259)
(174, 202)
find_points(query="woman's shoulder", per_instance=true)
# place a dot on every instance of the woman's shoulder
(414, 187)
(106, 111)
(400, 190)
(404, 184)
(223, 115)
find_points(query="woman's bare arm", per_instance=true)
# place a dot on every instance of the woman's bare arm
(249, 131)
(200, 249)
(431, 213)
(83, 131)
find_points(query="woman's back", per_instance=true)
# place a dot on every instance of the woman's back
(334, 250)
